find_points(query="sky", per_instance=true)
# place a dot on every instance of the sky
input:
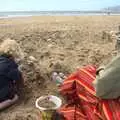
(42, 5)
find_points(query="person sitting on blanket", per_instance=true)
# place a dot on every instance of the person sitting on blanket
(91, 93)
(11, 81)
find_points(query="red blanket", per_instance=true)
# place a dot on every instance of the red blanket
(82, 101)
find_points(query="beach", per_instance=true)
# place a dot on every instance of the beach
(58, 43)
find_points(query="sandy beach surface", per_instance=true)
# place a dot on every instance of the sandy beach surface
(59, 43)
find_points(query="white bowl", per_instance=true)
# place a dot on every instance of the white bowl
(57, 101)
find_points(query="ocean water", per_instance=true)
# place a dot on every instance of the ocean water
(52, 13)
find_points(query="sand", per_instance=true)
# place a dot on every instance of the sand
(59, 44)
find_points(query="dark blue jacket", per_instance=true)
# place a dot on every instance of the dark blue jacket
(8, 73)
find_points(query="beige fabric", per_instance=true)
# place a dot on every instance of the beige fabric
(107, 83)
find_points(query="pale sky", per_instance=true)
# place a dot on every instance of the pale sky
(28, 5)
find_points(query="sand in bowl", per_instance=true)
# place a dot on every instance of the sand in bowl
(46, 103)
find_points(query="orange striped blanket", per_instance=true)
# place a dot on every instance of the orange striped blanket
(82, 104)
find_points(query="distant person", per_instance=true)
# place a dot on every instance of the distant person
(11, 81)
(108, 13)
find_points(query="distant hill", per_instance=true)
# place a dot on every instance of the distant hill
(112, 9)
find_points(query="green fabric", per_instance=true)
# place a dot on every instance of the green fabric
(107, 83)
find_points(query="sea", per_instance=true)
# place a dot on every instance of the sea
(12, 14)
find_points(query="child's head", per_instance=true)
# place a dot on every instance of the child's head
(10, 48)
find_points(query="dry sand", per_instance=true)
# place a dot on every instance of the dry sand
(59, 44)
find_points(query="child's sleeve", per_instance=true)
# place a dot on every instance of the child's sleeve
(14, 74)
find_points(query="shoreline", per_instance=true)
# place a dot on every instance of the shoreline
(57, 15)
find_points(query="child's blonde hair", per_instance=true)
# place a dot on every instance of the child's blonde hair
(11, 48)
